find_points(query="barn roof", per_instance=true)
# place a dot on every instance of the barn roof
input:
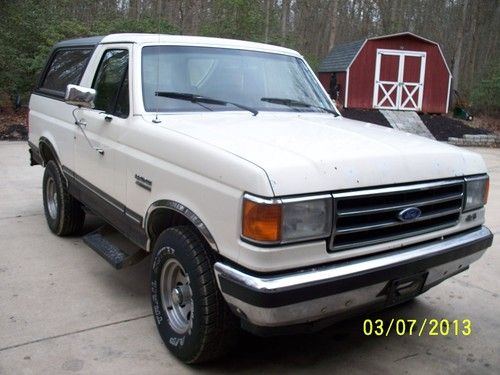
(342, 55)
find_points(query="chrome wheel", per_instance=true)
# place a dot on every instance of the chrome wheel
(51, 197)
(177, 297)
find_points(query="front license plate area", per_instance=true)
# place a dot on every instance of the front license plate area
(405, 288)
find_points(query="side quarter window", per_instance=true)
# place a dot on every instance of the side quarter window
(67, 66)
(111, 83)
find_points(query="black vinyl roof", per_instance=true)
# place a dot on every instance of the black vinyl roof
(80, 42)
(340, 57)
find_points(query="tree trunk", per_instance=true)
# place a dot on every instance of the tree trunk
(285, 9)
(472, 50)
(132, 8)
(182, 25)
(457, 58)
(333, 19)
(393, 8)
(267, 4)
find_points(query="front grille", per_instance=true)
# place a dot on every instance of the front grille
(369, 217)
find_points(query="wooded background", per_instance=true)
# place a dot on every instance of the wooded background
(467, 30)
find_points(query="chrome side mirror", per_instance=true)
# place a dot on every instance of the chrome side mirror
(80, 96)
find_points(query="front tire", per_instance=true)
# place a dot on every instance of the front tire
(64, 213)
(191, 315)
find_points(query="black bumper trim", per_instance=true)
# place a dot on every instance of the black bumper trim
(269, 299)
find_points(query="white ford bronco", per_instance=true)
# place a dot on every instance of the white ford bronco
(260, 205)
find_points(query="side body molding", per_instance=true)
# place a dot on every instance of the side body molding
(184, 211)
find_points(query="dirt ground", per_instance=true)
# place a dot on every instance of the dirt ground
(13, 125)
(487, 122)
(375, 117)
(443, 127)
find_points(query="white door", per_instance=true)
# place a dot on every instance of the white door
(104, 125)
(399, 80)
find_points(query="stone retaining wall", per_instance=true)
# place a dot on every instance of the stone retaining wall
(480, 140)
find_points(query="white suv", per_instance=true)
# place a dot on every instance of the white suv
(260, 205)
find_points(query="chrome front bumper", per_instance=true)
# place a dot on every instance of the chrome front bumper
(347, 287)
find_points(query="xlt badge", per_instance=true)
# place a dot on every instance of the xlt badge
(143, 182)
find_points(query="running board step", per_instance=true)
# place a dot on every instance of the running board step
(114, 247)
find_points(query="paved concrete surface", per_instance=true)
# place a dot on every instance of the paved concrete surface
(63, 309)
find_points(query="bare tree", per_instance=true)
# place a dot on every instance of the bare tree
(333, 23)
(457, 57)
(468, 31)
(134, 8)
(285, 11)
(267, 5)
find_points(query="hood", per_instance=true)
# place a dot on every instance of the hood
(311, 152)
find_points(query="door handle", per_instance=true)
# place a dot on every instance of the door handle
(107, 116)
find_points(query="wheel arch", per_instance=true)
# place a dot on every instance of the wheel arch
(166, 213)
(48, 151)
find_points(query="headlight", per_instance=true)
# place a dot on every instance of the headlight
(274, 221)
(476, 192)
(306, 219)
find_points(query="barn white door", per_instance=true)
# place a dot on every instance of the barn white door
(399, 80)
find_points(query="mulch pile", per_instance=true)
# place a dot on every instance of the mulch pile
(375, 117)
(440, 126)
(443, 127)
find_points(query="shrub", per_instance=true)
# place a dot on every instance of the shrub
(486, 93)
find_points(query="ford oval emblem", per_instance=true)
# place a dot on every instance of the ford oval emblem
(409, 214)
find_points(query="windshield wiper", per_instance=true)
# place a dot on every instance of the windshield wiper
(297, 103)
(194, 98)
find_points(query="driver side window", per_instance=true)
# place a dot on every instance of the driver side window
(111, 83)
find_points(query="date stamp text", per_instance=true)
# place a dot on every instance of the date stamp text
(415, 327)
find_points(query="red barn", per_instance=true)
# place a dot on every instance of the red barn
(402, 72)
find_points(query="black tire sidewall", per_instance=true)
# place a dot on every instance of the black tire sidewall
(52, 170)
(171, 245)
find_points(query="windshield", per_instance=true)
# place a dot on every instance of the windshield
(238, 76)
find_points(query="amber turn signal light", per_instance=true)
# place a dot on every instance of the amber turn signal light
(486, 191)
(261, 222)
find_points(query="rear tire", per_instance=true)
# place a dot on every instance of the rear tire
(64, 213)
(191, 315)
